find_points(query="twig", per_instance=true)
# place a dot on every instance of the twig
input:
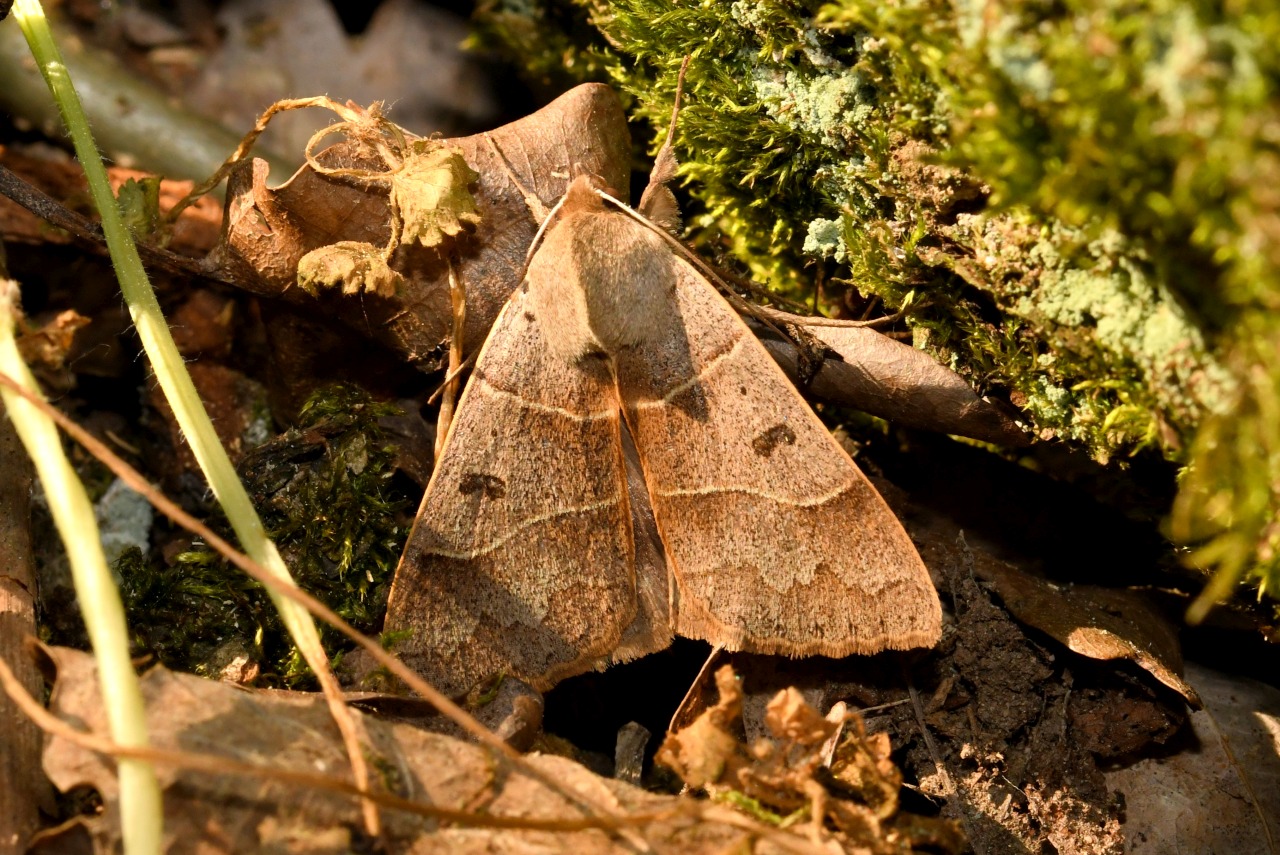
(179, 389)
(89, 233)
(141, 805)
(252, 568)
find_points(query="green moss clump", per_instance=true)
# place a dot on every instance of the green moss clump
(325, 492)
(1076, 199)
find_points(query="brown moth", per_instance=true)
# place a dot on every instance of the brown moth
(530, 555)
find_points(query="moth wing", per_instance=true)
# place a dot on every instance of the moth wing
(777, 541)
(520, 560)
(652, 629)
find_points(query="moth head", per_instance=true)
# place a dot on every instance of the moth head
(583, 196)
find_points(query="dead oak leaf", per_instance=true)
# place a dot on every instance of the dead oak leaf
(268, 229)
(211, 812)
(708, 751)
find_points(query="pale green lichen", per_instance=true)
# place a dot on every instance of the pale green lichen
(824, 239)
(1130, 314)
(828, 108)
(1049, 403)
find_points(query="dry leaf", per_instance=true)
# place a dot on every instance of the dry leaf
(1223, 795)
(860, 765)
(1101, 623)
(268, 230)
(709, 750)
(47, 348)
(205, 324)
(825, 765)
(789, 717)
(214, 813)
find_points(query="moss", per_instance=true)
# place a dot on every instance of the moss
(1076, 199)
(325, 493)
(1230, 492)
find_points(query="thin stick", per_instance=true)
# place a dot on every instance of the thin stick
(89, 233)
(179, 390)
(141, 805)
(450, 376)
(458, 299)
(284, 589)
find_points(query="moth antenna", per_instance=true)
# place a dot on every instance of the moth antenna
(657, 202)
(740, 305)
(546, 221)
(665, 162)
(766, 315)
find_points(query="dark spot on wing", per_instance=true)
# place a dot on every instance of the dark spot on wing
(766, 442)
(491, 486)
(742, 390)
(528, 316)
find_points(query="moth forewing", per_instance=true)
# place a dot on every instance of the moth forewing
(776, 539)
(521, 558)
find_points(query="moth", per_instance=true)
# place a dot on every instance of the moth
(532, 553)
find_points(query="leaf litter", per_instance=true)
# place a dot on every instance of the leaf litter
(470, 805)
(987, 727)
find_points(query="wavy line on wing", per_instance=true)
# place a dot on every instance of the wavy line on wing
(549, 408)
(467, 555)
(773, 497)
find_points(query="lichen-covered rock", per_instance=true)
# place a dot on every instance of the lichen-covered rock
(1078, 201)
